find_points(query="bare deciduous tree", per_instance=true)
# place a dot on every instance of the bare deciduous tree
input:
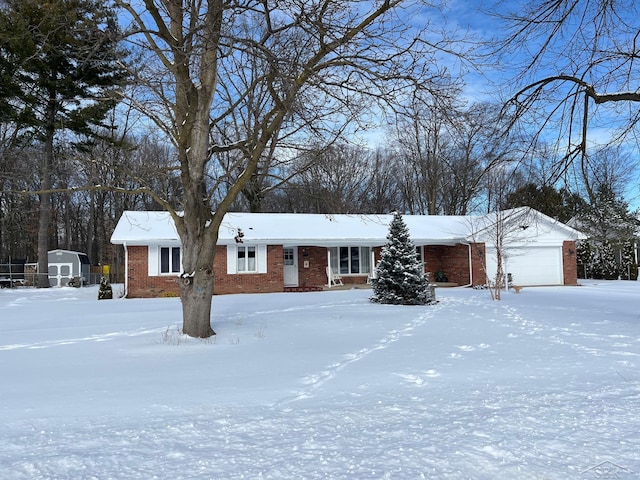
(502, 230)
(334, 179)
(579, 74)
(321, 59)
(447, 151)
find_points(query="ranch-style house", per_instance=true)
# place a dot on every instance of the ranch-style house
(278, 252)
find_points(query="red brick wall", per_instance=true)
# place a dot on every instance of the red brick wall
(569, 262)
(140, 284)
(316, 274)
(454, 262)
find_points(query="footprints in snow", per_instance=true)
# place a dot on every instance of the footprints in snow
(315, 381)
(420, 379)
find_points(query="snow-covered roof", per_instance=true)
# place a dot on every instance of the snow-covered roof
(522, 225)
(149, 228)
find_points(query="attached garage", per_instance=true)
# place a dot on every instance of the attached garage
(536, 249)
(530, 265)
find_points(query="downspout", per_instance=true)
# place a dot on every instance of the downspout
(470, 265)
(126, 270)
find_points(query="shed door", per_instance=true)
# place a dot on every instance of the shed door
(530, 265)
(60, 274)
(290, 266)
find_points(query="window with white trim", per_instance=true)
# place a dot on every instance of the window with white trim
(170, 260)
(350, 260)
(247, 259)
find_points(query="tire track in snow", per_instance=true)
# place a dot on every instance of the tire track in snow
(328, 373)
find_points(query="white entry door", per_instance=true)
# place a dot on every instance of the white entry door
(290, 257)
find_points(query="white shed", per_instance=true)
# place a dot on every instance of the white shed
(65, 265)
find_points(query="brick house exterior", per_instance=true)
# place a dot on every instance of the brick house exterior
(300, 263)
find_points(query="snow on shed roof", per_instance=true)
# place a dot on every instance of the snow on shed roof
(142, 228)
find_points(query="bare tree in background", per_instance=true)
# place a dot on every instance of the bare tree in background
(334, 179)
(579, 74)
(479, 145)
(446, 152)
(317, 60)
(423, 145)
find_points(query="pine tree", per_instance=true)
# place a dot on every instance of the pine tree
(604, 262)
(628, 269)
(105, 292)
(608, 218)
(584, 255)
(61, 69)
(400, 276)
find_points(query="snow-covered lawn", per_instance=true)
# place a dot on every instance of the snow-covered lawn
(543, 385)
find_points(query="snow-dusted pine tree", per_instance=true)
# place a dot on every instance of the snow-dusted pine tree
(400, 275)
(584, 254)
(611, 227)
(604, 262)
(628, 269)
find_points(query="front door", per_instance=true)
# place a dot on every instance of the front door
(290, 257)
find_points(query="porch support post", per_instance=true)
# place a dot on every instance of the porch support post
(329, 267)
(372, 266)
(470, 249)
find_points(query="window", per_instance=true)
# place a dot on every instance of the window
(170, 260)
(247, 259)
(350, 260)
(288, 256)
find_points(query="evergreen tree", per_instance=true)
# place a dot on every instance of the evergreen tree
(584, 257)
(628, 268)
(559, 204)
(604, 262)
(400, 275)
(611, 228)
(607, 219)
(60, 69)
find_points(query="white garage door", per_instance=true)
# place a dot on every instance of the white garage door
(531, 265)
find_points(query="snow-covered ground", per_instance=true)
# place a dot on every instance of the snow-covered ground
(543, 385)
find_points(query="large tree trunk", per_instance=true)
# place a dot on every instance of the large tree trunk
(43, 236)
(45, 195)
(196, 283)
(197, 294)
